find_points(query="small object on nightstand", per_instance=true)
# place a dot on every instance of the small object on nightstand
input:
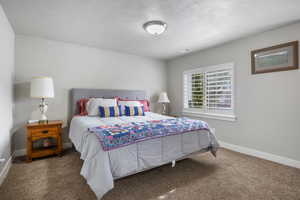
(44, 131)
(31, 121)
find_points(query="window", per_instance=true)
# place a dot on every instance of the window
(208, 92)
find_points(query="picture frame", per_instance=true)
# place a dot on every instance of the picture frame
(276, 58)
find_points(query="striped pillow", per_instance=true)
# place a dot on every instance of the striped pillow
(134, 111)
(111, 111)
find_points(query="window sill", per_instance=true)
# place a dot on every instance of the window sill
(224, 117)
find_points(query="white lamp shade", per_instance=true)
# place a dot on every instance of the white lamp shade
(42, 87)
(163, 98)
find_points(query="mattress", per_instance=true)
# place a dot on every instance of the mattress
(100, 168)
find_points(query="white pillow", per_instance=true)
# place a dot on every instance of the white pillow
(92, 106)
(128, 103)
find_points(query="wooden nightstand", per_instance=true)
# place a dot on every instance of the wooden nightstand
(37, 131)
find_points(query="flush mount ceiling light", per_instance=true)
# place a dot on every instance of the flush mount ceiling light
(155, 27)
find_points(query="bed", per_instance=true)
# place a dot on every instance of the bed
(100, 168)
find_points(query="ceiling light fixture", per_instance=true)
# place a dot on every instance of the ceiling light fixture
(155, 27)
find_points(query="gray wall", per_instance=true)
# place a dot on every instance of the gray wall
(6, 82)
(267, 105)
(75, 66)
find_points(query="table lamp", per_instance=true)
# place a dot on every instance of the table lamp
(163, 99)
(42, 88)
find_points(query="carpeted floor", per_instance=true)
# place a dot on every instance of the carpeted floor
(231, 176)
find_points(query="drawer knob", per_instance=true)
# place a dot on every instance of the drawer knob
(45, 131)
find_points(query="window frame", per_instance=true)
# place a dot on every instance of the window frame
(229, 114)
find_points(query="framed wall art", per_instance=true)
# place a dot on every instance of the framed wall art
(281, 57)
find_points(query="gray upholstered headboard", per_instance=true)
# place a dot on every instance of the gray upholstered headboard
(77, 94)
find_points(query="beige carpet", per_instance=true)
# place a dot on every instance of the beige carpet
(231, 176)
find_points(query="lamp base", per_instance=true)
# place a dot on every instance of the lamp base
(43, 108)
(164, 111)
(43, 121)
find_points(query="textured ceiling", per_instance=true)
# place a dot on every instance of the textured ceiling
(117, 24)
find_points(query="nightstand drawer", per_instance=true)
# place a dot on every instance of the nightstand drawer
(44, 131)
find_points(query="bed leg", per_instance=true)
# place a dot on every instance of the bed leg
(173, 163)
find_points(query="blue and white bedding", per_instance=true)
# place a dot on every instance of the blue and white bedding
(119, 135)
(100, 167)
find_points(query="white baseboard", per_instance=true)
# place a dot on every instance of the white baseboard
(22, 152)
(260, 154)
(5, 170)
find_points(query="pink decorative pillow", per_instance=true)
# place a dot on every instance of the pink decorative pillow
(144, 102)
(146, 105)
(82, 106)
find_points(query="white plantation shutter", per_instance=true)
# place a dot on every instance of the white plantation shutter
(209, 89)
(218, 89)
(194, 90)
